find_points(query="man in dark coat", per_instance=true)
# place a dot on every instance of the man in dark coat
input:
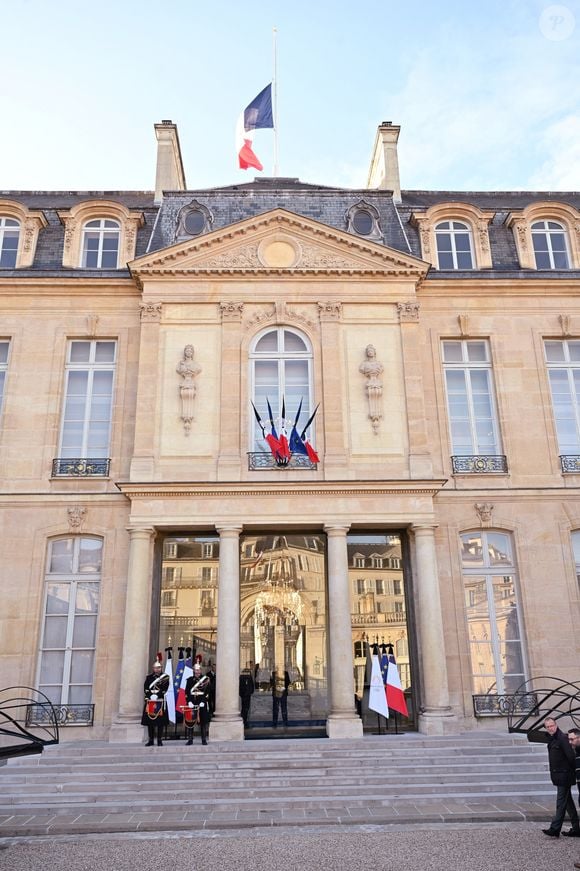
(154, 711)
(197, 698)
(574, 739)
(279, 686)
(562, 763)
(246, 692)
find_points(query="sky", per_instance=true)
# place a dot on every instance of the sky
(487, 94)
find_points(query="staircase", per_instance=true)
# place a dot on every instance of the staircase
(100, 787)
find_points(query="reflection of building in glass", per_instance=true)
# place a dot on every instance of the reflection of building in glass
(378, 608)
(283, 617)
(189, 580)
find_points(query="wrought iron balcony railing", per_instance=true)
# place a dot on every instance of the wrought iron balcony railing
(80, 467)
(66, 715)
(479, 464)
(505, 705)
(258, 461)
(570, 462)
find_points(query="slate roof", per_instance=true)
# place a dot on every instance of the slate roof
(327, 205)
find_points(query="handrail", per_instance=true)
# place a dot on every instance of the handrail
(553, 697)
(15, 702)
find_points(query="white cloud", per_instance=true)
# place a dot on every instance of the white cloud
(561, 169)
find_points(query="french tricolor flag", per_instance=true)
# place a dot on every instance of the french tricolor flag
(257, 115)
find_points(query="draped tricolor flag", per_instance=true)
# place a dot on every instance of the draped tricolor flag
(377, 694)
(395, 694)
(257, 115)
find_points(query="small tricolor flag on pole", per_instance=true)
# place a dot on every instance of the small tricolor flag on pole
(257, 115)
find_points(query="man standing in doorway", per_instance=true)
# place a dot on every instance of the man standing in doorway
(280, 686)
(562, 761)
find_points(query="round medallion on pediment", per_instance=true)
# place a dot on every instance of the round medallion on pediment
(280, 252)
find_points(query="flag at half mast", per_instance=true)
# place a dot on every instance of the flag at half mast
(257, 115)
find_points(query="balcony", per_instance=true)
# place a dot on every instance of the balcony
(504, 705)
(80, 467)
(479, 464)
(258, 461)
(570, 463)
(66, 715)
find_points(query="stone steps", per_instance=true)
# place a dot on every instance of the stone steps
(111, 783)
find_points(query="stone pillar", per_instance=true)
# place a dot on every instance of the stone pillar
(343, 721)
(143, 460)
(435, 712)
(229, 460)
(127, 726)
(227, 723)
(333, 386)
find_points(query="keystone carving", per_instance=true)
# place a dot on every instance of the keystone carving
(463, 321)
(564, 324)
(484, 512)
(76, 515)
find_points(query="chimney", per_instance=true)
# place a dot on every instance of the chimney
(169, 175)
(384, 168)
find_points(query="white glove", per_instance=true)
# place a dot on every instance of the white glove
(154, 697)
(190, 705)
(202, 704)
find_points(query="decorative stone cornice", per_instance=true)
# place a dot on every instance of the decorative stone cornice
(151, 311)
(408, 311)
(279, 489)
(231, 311)
(330, 311)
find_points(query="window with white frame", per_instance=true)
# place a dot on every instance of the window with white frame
(4, 349)
(69, 629)
(281, 369)
(86, 423)
(563, 362)
(470, 400)
(454, 245)
(9, 238)
(550, 245)
(492, 611)
(100, 244)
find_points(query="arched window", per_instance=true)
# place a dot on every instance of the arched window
(69, 632)
(100, 246)
(454, 245)
(492, 610)
(281, 369)
(550, 245)
(9, 237)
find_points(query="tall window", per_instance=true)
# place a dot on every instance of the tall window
(9, 236)
(454, 245)
(550, 245)
(563, 361)
(281, 361)
(86, 425)
(4, 348)
(71, 604)
(492, 610)
(100, 248)
(469, 384)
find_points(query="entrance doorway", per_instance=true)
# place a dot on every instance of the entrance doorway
(283, 637)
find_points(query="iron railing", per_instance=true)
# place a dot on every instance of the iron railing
(570, 462)
(553, 698)
(479, 464)
(80, 467)
(17, 738)
(504, 705)
(258, 461)
(66, 715)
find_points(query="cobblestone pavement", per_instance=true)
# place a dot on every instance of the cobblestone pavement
(435, 847)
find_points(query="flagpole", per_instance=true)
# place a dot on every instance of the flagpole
(275, 97)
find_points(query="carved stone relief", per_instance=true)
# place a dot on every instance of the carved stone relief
(564, 324)
(231, 311)
(151, 311)
(463, 321)
(372, 369)
(329, 311)
(188, 369)
(92, 324)
(245, 256)
(408, 311)
(484, 511)
(76, 515)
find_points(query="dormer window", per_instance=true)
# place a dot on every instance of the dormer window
(9, 237)
(194, 219)
(550, 245)
(363, 219)
(454, 245)
(100, 248)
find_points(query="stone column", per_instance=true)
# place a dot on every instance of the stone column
(420, 464)
(143, 460)
(227, 723)
(343, 721)
(333, 386)
(435, 712)
(229, 460)
(134, 661)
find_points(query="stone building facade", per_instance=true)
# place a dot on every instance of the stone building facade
(438, 336)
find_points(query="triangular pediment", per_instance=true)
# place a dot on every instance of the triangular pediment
(280, 243)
